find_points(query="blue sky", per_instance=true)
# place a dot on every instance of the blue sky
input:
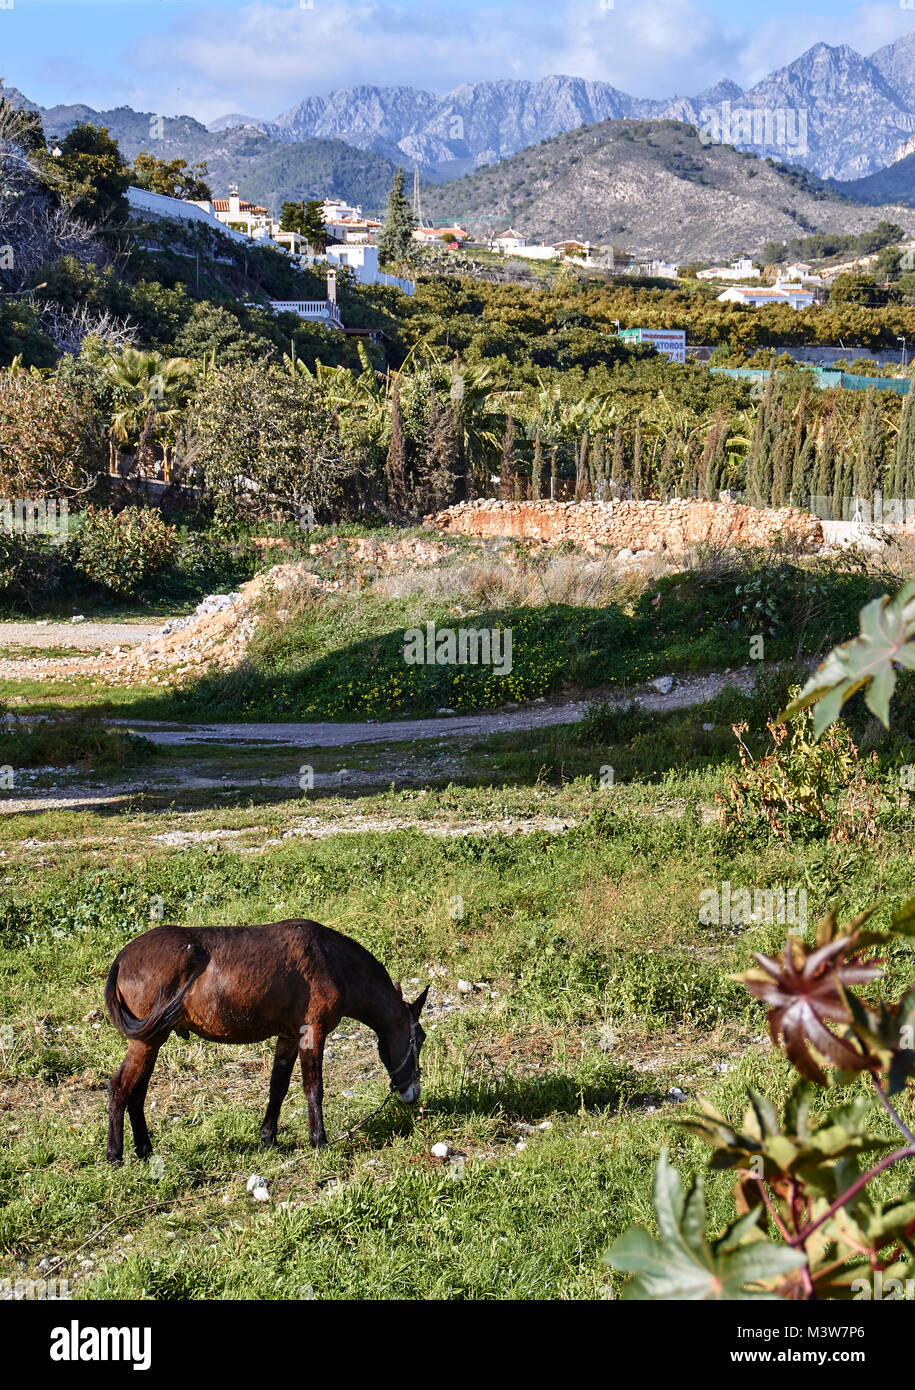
(210, 57)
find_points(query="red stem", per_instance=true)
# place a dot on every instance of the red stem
(886, 1162)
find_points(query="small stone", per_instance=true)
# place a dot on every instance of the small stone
(257, 1187)
(465, 987)
(440, 1150)
(663, 685)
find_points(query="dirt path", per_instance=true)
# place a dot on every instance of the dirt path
(86, 636)
(685, 691)
(25, 640)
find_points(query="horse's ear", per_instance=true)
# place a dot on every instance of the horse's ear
(398, 989)
(416, 1007)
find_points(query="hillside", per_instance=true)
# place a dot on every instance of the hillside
(265, 170)
(650, 186)
(893, 184)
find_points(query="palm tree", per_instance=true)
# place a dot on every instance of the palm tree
(150, 392)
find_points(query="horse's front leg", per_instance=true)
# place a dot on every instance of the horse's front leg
(311, 1056)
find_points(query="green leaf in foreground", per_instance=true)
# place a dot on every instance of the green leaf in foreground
(682, 1264)
(868, 660)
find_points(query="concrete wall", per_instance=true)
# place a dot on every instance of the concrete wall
(158, 205)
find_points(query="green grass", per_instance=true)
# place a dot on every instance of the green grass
(73, 742)
(597, 988)
(343, 658)
(602, 992)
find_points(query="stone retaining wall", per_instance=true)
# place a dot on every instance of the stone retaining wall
(658, 526)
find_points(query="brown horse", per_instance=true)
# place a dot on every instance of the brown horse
(290, 980)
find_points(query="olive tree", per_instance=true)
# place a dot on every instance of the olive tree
(268, 441)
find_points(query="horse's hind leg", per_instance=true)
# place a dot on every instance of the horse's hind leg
(283, 1062)
(311, 1056)
(127, 1090)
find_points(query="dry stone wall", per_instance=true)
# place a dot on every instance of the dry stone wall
(656, 526)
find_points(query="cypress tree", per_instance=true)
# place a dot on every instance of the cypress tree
(537, 470)
(507, 465)
(782, 459)
(618, 466)
(441, 457)
(637, 484)
(897, 482)
(689, 477)
(870, 453)
(669, 468)
(599, 469)
(581, 471)
(840, 486)
(395, 241)
(396, 465)
(802, 474)
(714, 461)
(824, 476)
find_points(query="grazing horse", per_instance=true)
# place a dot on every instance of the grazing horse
(291, 980)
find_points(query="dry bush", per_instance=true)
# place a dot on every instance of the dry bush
(577, 580)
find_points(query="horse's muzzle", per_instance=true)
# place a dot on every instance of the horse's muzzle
(410, 1096)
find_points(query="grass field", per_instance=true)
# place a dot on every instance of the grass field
(579, 1004)
(598, 999)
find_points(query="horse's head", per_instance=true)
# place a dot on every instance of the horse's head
(400, 1051)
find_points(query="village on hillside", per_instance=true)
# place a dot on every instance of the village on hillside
(344, 237)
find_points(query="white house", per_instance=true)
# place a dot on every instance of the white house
(795, 296)
(345, 222)
(148, 204)
(657, 270)
(240, 215)
(430, 236)
(741, 269)
(509, 241)
(362, 260)
(535, 253)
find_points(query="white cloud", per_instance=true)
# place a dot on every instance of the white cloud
(266, 55)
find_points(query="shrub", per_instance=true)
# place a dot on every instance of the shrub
(31, 568)
(50, 437)
(72, 742)
(121, 550)
(803, 786)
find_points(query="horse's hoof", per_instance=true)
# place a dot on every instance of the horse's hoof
(143, 1154)
(115, 1160)
(268, 1141)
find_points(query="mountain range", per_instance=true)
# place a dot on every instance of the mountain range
(848, 119)
(846, 116)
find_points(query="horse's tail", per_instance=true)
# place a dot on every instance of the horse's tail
(160, 1021)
